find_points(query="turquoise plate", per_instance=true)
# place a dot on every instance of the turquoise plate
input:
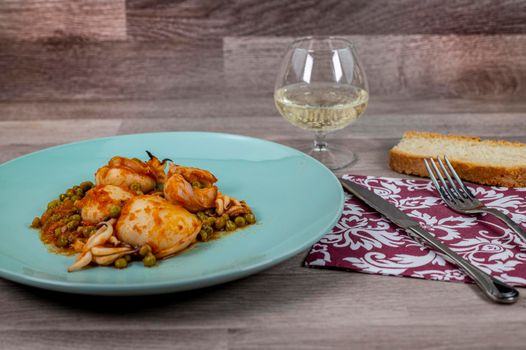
(294, 197)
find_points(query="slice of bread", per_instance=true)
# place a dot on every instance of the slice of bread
(488, 162)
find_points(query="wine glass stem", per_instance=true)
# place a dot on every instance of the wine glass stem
(320, 144)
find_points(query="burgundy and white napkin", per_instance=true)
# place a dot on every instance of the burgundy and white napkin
(364, 241)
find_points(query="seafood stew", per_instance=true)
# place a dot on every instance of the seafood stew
(135, 211)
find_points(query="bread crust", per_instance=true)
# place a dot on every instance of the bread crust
(433, 135)
(411, 164)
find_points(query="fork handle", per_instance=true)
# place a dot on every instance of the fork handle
(494, 289)
(504, 218)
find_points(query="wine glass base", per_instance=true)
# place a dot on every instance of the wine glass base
(334, 156)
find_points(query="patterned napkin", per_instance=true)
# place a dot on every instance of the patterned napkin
(364, 241)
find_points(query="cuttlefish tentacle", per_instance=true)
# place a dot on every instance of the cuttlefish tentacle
(94, 251)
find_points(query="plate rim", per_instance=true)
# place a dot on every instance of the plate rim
(219, 277)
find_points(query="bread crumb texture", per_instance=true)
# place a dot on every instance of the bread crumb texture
(488, 162)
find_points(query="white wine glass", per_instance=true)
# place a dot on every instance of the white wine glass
(321, 87)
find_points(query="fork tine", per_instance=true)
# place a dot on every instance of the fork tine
(431, 175)
(460, 182)
(444, 188)
(450, 180)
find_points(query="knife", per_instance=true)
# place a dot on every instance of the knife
(494, 289)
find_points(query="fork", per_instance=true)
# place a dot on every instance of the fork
(460, 198)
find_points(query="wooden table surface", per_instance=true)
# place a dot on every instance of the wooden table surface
(287, 306)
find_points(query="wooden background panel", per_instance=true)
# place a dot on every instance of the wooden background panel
(413, 66)
(107, 70)
(200, 21)
(41, 19)
(421, 66)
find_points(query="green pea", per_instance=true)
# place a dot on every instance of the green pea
(202, 216)
(210, 221)
(135, 186)
(86, 185)
(250, 218)
(79, 192)
(230, 225)
(149, 260)
(202, 236)
(70, 192)
(63, 196)
(53, 204)
(88, 231)
(145, 250)
(220, 223)
(205, 233)
(72, 225)
(121, 263)
(36, 223)
(207, 228)
(68, 202)
(240, 221)
(128, 258)
(74, 217)
(115, 210)
(74, 198)
(54, 217)
(62, 241)
(58, 231)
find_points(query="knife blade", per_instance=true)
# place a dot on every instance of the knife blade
(494, 289)
(398, 217)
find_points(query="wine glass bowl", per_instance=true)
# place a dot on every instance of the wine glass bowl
(321, 87)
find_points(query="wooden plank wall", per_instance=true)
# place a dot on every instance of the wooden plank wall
(135, 50)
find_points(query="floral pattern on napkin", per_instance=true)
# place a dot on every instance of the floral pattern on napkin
(366, 242)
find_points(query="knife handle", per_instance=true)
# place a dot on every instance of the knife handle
(496, 290)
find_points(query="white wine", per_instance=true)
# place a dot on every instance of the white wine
(321, 106)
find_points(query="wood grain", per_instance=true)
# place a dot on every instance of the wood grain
(73, 70)
(371, 136)
(285, 307)
(287, 301)
(104, 70)
(361, 337)
(371, 126)
(215, 339)
(420, 66)
(201, 21)
(62, 19)
(410, 67)
(39, 132)
(217, 106)
(325, 309)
